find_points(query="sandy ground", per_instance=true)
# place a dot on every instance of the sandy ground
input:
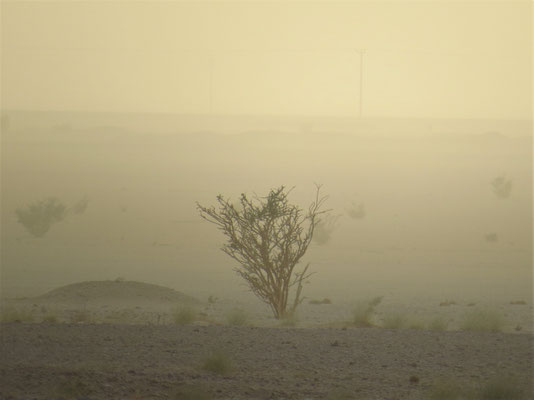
(43, 361)
(77, 342)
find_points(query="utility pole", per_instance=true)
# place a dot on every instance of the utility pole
(360, 103)
(211, 84)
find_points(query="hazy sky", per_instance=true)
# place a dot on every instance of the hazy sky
(422, 59)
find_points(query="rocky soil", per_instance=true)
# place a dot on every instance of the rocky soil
(109, 361)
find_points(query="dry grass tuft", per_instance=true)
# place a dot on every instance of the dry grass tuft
(218, 363)
(363, 313)
(482, 321)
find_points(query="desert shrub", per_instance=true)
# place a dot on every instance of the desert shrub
(289, 321)
(394, 321)
(72, 389)
(268, 236)
(82, 316)
(518, 302)
(11, 314)
(501, 388)
(502, 186)
(326, 300)
(415, 324)
(356, 211)
(445, 390)
(184, 315)
(482, 321)
(324, 229)
(50, 319)
(80, 206)
(340, 395)
(438, 324)
(363, 313)
(237, 317)
(191, 392)
(218, 363)
(38, 217)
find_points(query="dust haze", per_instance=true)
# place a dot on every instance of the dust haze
(416, 119)
(410, 211)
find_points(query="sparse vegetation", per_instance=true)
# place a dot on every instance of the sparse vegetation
(394, 321)
(184, 315)
(288, 321)
(340, 395)
(237, 317)
(82, 316)
(502, 186)
(39, 216)
(50, 319)
(363, 313)
(11, 314)
(323, 301)
(324, 229)
(482, 321)
(191, 392)
(415, 324)
(80, 206)
(491, 237)
(518, 302)
(438, 324)
(72, 389)
(218, 363)
(445, 390)
(268, 236)
(356, 211)
(499, 388)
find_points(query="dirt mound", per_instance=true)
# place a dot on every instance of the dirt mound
(99, 292)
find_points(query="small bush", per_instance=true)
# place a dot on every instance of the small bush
(237, 317)
(482, 321)
(496, 389)
(416, 325)
(16, 315)
(501, 389)
(81, 317)
(212, 299)
(323, 301)
(448, 391)
(363, 312)
(184, 316)
(72, 390)
(340, 395)
(518, 302)
(191, 393)
(438, 324)
(50, 319)
(290, 320)
(394, 321)
(218, 363)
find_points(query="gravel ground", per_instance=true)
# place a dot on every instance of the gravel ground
(105, 361)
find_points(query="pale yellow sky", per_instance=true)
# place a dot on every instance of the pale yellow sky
(422, 59)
